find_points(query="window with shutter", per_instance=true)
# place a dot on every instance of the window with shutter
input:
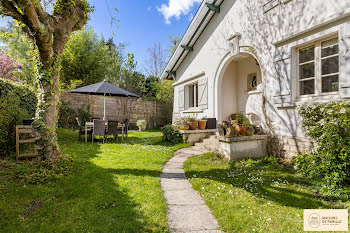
(181, 100)
(344, 61)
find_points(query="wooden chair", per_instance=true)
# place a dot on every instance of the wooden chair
(112, 129)
(126, 127)
(99, 129)
(82, 129)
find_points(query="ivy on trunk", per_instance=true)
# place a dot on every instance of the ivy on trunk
(49, 32)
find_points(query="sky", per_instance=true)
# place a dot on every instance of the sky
(141, 22)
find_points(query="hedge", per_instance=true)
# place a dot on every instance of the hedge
(16, 102)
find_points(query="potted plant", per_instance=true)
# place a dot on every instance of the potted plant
(141, 124)
(240, 127)
(193, 123)
(182, 124)
(202, 124)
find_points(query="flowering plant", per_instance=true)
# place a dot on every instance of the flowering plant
(182, 121)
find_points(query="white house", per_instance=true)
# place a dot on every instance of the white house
(262, 58)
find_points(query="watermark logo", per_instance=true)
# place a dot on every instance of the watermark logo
(326, 220)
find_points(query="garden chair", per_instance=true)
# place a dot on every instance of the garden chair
(112, 128)
(99, 129)
(82, 129)
(126, 128)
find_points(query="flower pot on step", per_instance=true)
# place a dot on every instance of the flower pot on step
(184, 127)
(250, 131)
(202, 124)
(193, 125)
(240, 129)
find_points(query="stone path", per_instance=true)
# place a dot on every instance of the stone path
(187, 211)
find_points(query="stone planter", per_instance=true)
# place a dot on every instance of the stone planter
(184, 127)
(240, 129)
(193, 125)
(202, 124)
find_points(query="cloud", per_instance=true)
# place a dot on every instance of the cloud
(149, 8)
(176, 8)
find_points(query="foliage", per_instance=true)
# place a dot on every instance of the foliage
(141, 122)
(7, 66)
(16, 102)
(174, 41)
(171, 134)
(241, 119)
(111, 187)
(328, 124)
(182, 121)
(260, 191)
(165, 92)
(18, 46)
(85, 58)
(67, 116)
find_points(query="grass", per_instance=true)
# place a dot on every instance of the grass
(112, 188)
(255, 195)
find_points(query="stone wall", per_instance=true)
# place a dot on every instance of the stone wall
(289, 147)
(119, 108)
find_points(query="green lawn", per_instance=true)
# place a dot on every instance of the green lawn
(112, 188)
(254, 195)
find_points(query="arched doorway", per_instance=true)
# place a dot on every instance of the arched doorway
(239, 88)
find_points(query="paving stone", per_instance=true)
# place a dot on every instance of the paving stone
(187, 211)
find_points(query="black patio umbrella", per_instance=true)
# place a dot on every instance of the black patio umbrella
(103, 88)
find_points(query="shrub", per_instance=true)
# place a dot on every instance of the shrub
(67, 116)
(328, 124)
(171, 134)
(16, 102)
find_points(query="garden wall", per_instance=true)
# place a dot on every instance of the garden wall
(119, 108)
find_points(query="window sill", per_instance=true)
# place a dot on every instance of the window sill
(254, 92)
(321, 97)
(193, 110)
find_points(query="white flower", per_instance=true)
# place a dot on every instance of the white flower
(269, 219)
(343, 110)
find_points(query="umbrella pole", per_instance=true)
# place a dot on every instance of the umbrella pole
(104, 106)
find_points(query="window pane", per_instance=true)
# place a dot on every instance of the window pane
(307, 54)
(330, 83)
(330, 65)
(307, 87)
(329, 47)
(307, 71)
(191, 96)
(196, 86)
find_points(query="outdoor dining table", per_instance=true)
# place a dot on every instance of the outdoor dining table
(90, 125)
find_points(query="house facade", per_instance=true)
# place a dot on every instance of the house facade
(262, 58)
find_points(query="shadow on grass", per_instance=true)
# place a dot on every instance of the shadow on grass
(267, 184)
(88, 200)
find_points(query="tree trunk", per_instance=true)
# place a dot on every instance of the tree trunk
(47, 110)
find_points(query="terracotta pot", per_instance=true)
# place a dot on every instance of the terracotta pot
(202, 124)
(184, 127)
(250, 131)
(193, 125)
(240, 129)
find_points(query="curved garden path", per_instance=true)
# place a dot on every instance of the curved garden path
(187, 211)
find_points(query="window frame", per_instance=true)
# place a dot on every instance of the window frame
(318, 69)
(195, 96)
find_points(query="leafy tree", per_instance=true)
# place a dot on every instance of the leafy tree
(50, 29)
(165, 91)
(7, 66)
(18, 46)
(85, 58)
(174, 41)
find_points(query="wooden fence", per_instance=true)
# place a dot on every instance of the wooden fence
(119, 108)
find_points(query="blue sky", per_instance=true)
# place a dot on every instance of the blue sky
(142, 22)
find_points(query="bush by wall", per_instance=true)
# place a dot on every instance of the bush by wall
(171, 134)
(67, 116)
(16, 102)
(329, 125)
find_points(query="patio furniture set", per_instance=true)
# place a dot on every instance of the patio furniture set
(103, 128)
